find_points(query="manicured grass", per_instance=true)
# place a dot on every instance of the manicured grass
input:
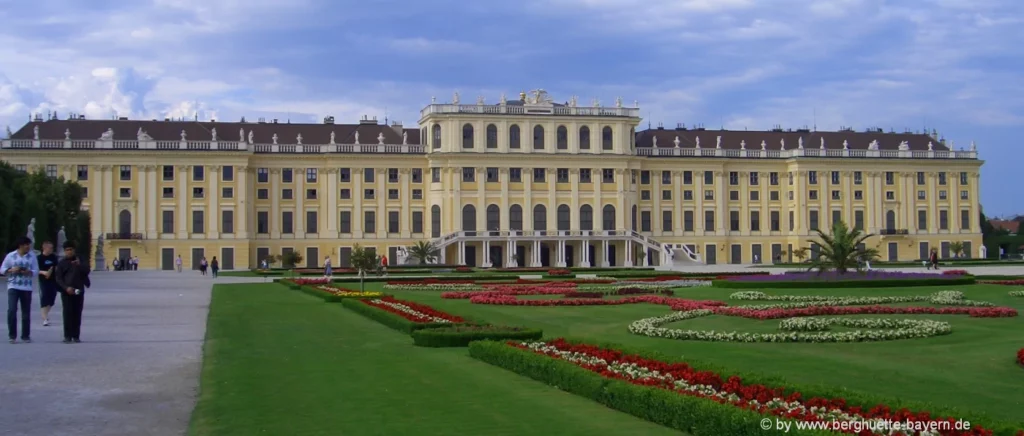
(972, 369)
(278, 362)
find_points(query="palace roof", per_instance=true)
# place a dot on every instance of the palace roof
(788, 140)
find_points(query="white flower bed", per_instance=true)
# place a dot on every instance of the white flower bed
(617, 286)
(1017, 293)
(948, 298)
(632, 371)
(403, 308)
(669, 283)
(896, 329)
(432, 287)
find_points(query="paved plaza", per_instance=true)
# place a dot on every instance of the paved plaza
(137, 370)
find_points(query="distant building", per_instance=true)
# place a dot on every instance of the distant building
(1011, 226)
(523, 182)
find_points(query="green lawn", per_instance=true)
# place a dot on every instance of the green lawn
(278, 362)
(973, 368)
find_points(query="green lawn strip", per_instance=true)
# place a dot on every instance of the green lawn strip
(279, 362)
(968, 369)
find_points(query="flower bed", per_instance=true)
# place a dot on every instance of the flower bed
(1020, 357)
(461, 336)
(948, 298)
(499, 290)
(869, 279)
(430, 286)
(559, 272)
(674, 303)
(954, 272)
(1017, 293)
(679, 396)
(1004, 282)
(578, 294)
(401, 315)
(311, 282)
(347, 293)
(763, 314)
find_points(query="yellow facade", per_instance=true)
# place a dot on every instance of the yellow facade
(239, 200)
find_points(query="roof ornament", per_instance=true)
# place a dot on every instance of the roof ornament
(974, 147)
(846, 145)
(298, 139)
(636, 104)
(332, 137)
(433, 100)
(35, 133)
(873, 145)
(618, 101)
(503, 98)
(213, 134)
(822, 142)
(250, 137)
(274, 138)
(800, 143)
(718, 142)
(109, 135)
(183, 135)
(142, 135)
(697, 140)
(356, 135)
(480, 100)
(654, 141)
(241, 135)
(595, 102)
(573, 101)
(930, 146)
(782, 142)
(951, 144)
(764, 145)
(743, 144)
(522, 96)
(405, 138)
(904, 146)
(455, 98)
(67, 134)
(9, 132)
(380, 138)
(676, 142)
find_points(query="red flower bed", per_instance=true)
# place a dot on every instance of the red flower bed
(732, 390)
(1020, 356)
(559, 272)
(954, 272)
(463, 269)
(977, 312)
(425, 314)
(674, 303)
(431, 281)
(1019, 282)
(308, 282)
(574, 294)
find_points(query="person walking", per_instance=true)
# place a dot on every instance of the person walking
(177, 263)
(47, 282)
(384, 264)
(72, 277)
(202, 266)
(214, 266)
(933, 259)
(327, 267)
(20, 266)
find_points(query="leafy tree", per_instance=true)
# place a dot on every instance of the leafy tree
(425, 252)
(53, 202)
(842, 249)
(956, 248)
(800, 253)
(364, 261)
(290, 259)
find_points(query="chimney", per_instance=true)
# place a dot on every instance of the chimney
(397, 127)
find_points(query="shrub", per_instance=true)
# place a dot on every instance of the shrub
(954, 272)
(461, 336)
(559, 272)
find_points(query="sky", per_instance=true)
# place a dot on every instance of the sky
(952, 65)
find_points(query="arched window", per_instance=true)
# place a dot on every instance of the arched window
(538, 137)
(469, 218)
(513, 137)
(493, 218)
(634, 217)
(608, 217)
(540, 217)
(586, 217)
(124, 223)
(492, 136)
(435, 221)
(584, 138)
(436, 136)
(562, 138)
(563, 217)
(515, 217)
(606, 138)
(890, 220)
(467, 135)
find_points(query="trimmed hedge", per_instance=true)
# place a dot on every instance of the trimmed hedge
(387, 318)
(690, 414)
(693, 415)
(806, 284)
(334, 298)
(461, 336)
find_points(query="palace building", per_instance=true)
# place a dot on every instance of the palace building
(523, 182)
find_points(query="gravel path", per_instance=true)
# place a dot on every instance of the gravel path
(136, 371)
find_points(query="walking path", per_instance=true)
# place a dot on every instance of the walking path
(136, 371)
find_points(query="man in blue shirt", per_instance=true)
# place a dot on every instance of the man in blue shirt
(20, 267)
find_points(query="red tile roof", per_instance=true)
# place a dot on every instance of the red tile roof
(1011, 226)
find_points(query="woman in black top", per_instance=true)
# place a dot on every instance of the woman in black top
(48, 288)
(214, 266)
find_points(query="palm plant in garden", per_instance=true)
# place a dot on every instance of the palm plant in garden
(425, 252)
(956, 248)
(842, 250)
(363, 261)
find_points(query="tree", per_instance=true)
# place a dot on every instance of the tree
(842, 250)
(364, 261)
(956, 248)
(53, 202)
(425, 252)
(800, 253)
(290, 259)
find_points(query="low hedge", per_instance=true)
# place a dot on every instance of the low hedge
(461, 336)
(806, 284)
(335, 298)
(691, 414)
(387, 318)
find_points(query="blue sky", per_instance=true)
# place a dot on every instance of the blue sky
(953, 65)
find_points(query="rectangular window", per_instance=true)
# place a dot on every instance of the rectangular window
(168, 192)
(311, 222)
(368, 194)
(311, 194)
(734, 220)
(734, 178)
(835, 195)
(890, 178)
(263, 222)
(963, 178)
(286, 175)
(417, 175)
(492, 175)
(754, 179)
(286, 194)
(227, 173)
(645, 195)
(538, 175)
(168, 222)
(287, 224)
(812, 222)
(688, 195)
(965, 219)
(666, 221)
(417, 194)
(126, 172)
(812, 177)
(792, 221)
(227, 221)
(311, 175)
(515, 175)
(608, 175)
(345, 194)
(709, 194)
(368, 175)
(435, 175)
(837, 216)
(468, 174)
(687, 177)
(835, 177)
(734, 195)
(942, 195)
(262, 175)
(262, 194)
(812, 194)
(198, 222)
(198, 192)
(858, 178)
(392, 222)
(83, 173)
(963, 195)
(198, 173)
(417, 222)
(369, 221)
(645, 221)
(773, 196)
(942, 178)
(688, 221)
(51, 171)
(645, 177)
(585, 175)
(775, 221)
(755, 221)
(227, 192)
(709, 177)
(344, 175)
(392, 194)
(666, 177)
(709, 220)
(920, 178)
(755, 195)
(858, 195)
(773, 178)
(345, 222)
(666, 194)
(890, 195)
(392, 175)
(125, 192)
(858, 219)
(922, 220)
(943, 220)
(562, 175)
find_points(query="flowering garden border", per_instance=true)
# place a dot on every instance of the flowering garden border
(700, 399)
(383, 311)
